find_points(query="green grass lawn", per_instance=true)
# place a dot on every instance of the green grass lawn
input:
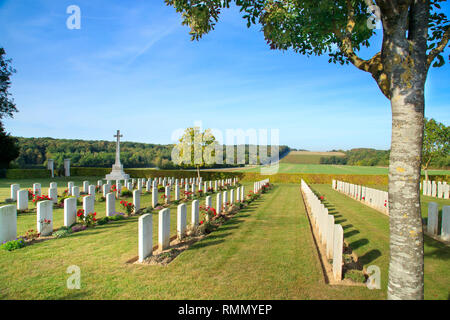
(367, 232)
(299, 157)
(332, 169)
(265, 252)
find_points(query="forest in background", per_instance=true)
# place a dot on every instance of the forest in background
(34, 153)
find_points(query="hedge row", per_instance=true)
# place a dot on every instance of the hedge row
(310, 178)
(27, 173)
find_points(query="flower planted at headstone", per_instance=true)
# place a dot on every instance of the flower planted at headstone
(88, 220)
(128, 206)
(36, 199)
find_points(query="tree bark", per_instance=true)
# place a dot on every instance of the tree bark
(406, 232)
(405, 62)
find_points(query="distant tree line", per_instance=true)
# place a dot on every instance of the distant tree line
(34, 153)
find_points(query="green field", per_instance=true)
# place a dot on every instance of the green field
(265, 252)
(306, 157)
(333, 169)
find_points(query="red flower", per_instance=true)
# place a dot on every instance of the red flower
(201, 222)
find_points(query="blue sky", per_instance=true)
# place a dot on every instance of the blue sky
(132, 67)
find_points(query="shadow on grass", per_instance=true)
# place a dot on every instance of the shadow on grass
(358, 243)
(205, 243)
(351, 233)
(74, 294)
(440, 250)
(369, 257)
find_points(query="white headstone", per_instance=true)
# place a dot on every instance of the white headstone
(110, 204)
(164, 229)
(337, 251)
(14, 188)
(137, 200)
(8, 223)
(91, 190)
(219, 203)
(70, 211)
(45, 217)
(167, 194)
(88, 204)
(433, 218)
(177, 192)
(145, 245)
(76, 191)
(445, 229)
(53, 194)
(154, 194)
(22, 200)
(85, 186)
(37, 189)
(195, 213)
(106, 189)
(330, 236)
(70, 185)
(181, 221)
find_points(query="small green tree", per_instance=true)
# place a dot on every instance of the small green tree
(192, 148)
(8, 145)
(436, 142)
(7, 105)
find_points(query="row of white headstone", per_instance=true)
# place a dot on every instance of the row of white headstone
(374, 198)
(257, 186)
(433, 189)
(8, 221)
(433, 221)
(21, 195)
(145, 225)
(331, 235)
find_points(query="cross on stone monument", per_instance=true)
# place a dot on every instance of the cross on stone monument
(118, 136)
(117, 172)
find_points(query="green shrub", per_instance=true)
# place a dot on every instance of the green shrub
(103, 221)
(27, 173)
(355, 275)
(62, 233)
(13, 245)
(117, 217)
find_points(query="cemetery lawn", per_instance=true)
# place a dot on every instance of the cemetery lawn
(266, 251)
(367, 232)
(332, 169)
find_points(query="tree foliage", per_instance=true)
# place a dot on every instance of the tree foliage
(7, 105)
(8, 148)
(34, 152)
(338, 28)
(436, 142)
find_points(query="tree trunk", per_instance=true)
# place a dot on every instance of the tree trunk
(406, 233)
(426, 174)
(405, 62)
(198, 172)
